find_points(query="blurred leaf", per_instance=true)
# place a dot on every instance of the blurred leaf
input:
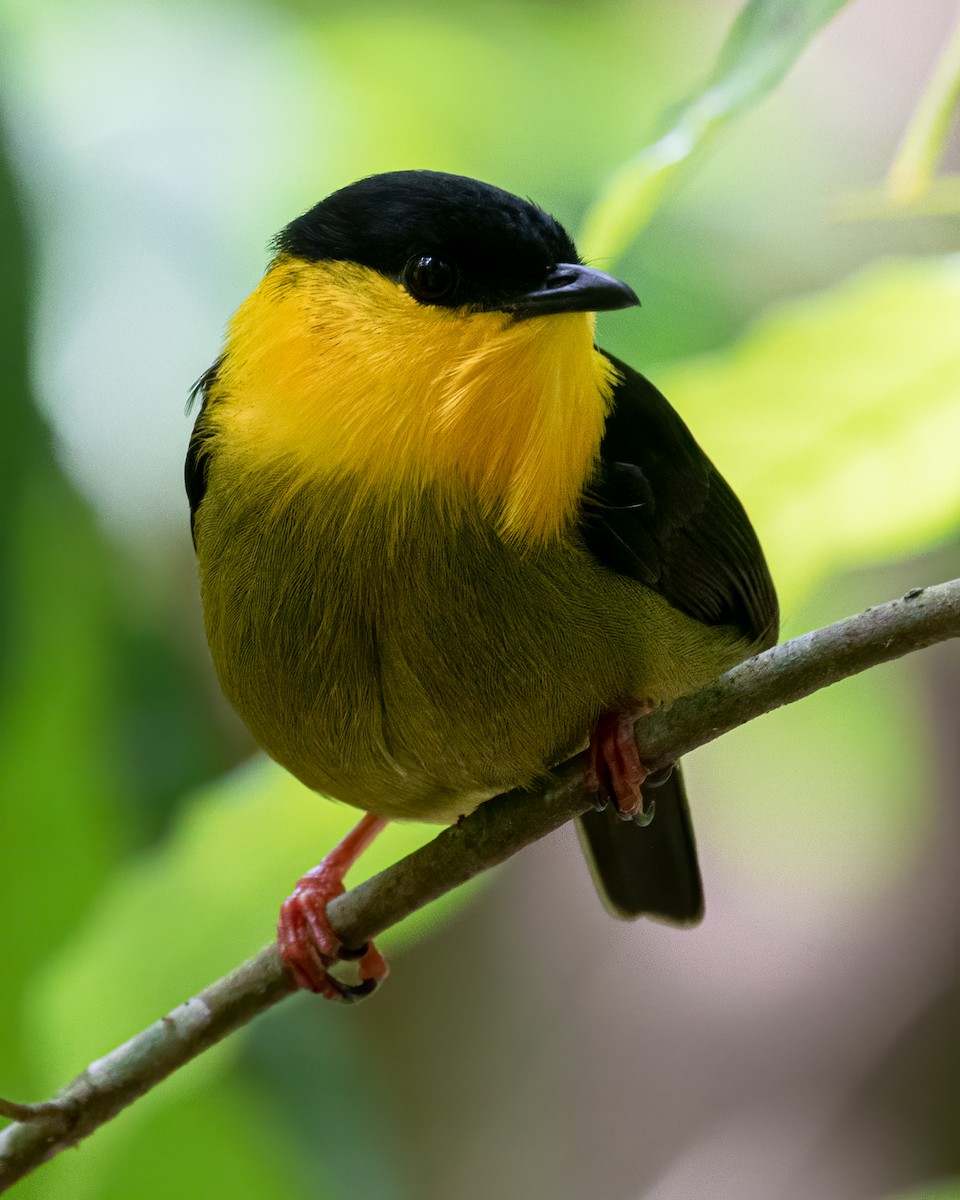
(766, 39)
(395, 69)
(206, 1137)
(912, 188)
(916, 159)
(60, 821)
(325, 1077)
(179, 917)
(847, 420)
(220, 1141)
(946, 1189)
(940, 198)
(858, 795)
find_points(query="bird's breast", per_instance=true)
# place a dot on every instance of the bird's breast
(334, 370)
(408, 659)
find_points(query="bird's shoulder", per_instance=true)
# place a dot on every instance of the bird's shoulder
(660, 512)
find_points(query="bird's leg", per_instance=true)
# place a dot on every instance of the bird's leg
(616, 763)
(307, 944)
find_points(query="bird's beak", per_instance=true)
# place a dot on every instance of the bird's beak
(572, 287)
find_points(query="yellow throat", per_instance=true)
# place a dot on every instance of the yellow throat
(331, 368)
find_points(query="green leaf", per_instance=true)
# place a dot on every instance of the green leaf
(766, 39)
(176, 919)
(837, 420)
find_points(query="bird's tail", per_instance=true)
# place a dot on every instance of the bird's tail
(646, 870)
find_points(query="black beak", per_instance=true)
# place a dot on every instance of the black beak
(571, 287)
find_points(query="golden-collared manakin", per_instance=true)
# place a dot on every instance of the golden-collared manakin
(445, 541)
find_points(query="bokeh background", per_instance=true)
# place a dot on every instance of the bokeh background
(805, 1040)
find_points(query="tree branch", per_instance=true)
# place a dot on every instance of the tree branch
(493, 833)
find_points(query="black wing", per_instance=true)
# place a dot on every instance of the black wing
(198, 451)
(661, 513)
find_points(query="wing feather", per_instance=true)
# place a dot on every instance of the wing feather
(660, 512)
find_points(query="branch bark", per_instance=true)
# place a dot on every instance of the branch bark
(497, 830)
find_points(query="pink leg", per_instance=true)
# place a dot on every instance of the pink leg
(307, 944)
(615, 761)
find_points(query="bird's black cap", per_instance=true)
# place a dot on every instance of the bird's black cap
(482, 247)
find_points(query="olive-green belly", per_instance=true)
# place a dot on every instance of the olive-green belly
(412, 664)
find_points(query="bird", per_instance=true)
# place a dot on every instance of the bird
(445, 541)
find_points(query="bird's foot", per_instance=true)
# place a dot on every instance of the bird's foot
(307, 943)
(616, 764)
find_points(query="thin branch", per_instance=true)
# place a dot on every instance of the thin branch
(27, 1112)
(493, 833)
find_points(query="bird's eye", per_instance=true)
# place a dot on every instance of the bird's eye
(429, 279)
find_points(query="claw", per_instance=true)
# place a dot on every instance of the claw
(308, 944)
(616, 763)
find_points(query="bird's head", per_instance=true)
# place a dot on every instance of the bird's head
(454, 243)
(418, 328)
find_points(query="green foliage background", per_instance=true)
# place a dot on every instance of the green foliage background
(151, 152)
